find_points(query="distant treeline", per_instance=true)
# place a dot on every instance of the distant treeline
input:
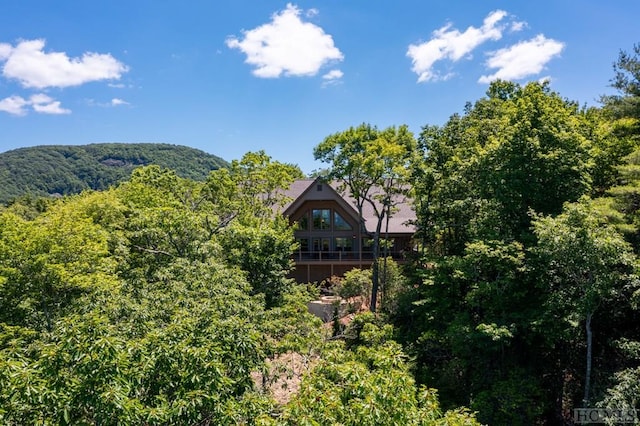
(69, 169)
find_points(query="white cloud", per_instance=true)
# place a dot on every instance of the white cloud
(28, 63)
(333, 75)
(94, 103)
(51, 108)
(14, 105)
(332, 78)
(115, 102)
(40, 98)
(518, 26)
(448, 43)
(5, 51)
(286, 45)
(44, 104)
(523, 59)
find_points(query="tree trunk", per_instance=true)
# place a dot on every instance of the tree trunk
(385, 255)
(375, 275)
(587, 375)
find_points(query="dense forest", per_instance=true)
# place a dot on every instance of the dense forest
(165, 300)
(70, 169)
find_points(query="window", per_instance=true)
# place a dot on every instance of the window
(303, 222)
(344, 244)
(321, 244)
(321, 219)
(339, 224)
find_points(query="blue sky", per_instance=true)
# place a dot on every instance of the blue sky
(231, 76)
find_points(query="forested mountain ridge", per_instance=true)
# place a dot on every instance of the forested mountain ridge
(70, 169)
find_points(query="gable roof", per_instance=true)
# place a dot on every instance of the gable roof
(301, 191)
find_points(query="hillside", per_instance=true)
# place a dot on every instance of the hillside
(69, 169)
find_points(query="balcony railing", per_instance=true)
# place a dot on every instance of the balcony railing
(338, 256)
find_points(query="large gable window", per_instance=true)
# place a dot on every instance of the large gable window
(303, 222)
(321, 219)
(339, 224)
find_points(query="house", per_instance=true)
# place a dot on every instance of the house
(331, 242)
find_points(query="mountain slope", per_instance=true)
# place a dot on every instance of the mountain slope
(69, 169)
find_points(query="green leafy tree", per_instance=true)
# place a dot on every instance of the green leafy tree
(147, 323)
(625, 389)
(625, 106)
(254, 237)
(586, 264)
(249, 189)
(373, 165)
(165, 218)
(355, 283)
(518, 149)
(473, 314)
(47, 263)
(264, 254)
(179, 349)
(469, 328)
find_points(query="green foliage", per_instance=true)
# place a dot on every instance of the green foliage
(469, 328)
(28, 207)
(392, 284)
(356, 282)
(369, 385)
(249, 189)
(173, 351)
(45, 264)
(626, 105)
(518, 149)
(515, 399)
(253, 236)
(610, 146)
(621, 202)
(175, 347)
(585, 260)
(163, 219)
(625, 390)
(70, 169)
(586, 264)
(353, 333)
(624, 393)
(302, 336)
(483, 300)
(264, 254)
(146, 322)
